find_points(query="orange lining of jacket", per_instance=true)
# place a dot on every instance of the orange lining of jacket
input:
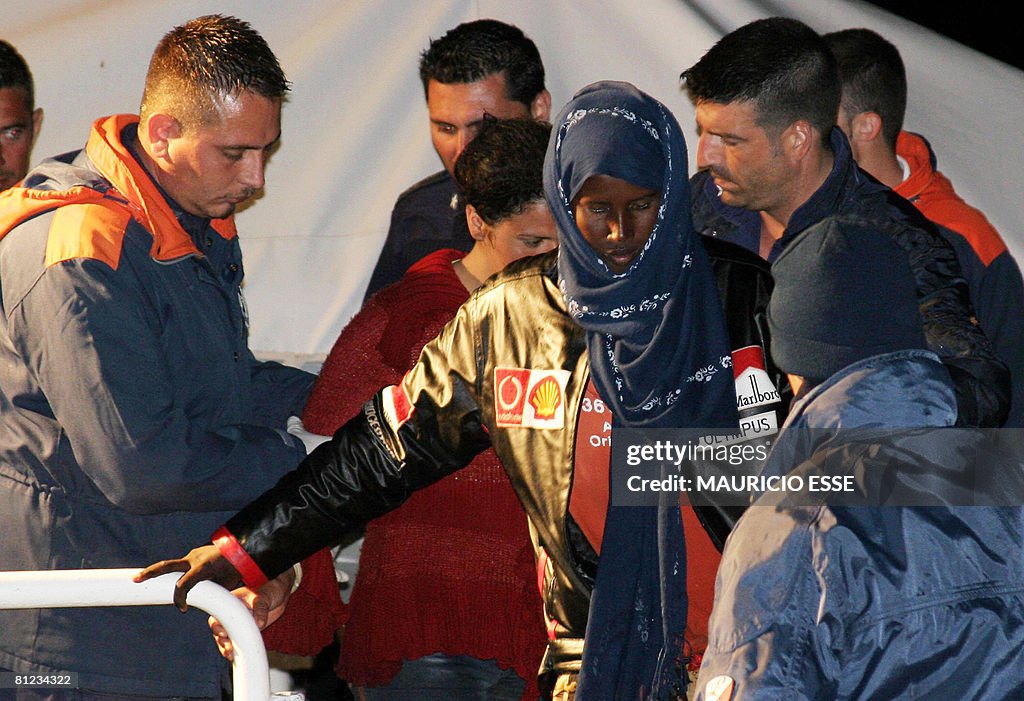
(95, 229)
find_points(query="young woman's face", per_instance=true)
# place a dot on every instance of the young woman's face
(529, 233)
(616, 218)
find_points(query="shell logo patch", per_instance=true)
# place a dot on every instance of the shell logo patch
(546, 398)
(529, 398)
(719, 688)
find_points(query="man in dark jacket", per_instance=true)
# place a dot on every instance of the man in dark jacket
(871, 117)
(907, 580)
(133, 416)
(774, 164)
(478, 69)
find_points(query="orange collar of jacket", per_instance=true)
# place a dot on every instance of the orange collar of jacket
(133, 194)
(914, 150)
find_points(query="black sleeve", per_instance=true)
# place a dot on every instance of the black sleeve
(407, 437)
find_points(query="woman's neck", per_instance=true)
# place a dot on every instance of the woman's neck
(476, 267)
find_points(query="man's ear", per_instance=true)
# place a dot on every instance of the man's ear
(866, 126)
(477, 226)
(37, 123)
(540, 107)
(160, 129)
(798, 138)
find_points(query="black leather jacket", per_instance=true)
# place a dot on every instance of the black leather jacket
(446, 410)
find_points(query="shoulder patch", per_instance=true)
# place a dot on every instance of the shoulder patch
(91, 230)
(756, 395)
(529, 398)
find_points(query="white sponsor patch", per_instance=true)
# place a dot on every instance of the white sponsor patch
(754, 387)
(529, 398)
(759, 425)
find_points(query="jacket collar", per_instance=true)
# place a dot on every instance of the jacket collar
(112, 158)
(828, 199)
(917, 152)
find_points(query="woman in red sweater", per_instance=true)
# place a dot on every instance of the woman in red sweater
(445, 603)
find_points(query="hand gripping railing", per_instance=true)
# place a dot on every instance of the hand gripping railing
(76, 588)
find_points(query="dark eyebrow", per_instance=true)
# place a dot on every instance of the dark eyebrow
(248, 147)
(474, 123)
(722, 134)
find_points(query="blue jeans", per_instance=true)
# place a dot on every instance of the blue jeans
(443, 678)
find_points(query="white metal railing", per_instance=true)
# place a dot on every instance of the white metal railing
(75, 588)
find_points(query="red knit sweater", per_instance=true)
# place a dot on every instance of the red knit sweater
(451, 571)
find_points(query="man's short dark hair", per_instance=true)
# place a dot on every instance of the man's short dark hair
(780, 65)
(873, 78)
(501, 170)
(206, 58)
(474, 50)
(14, 72)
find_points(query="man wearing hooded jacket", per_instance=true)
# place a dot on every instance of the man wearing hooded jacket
(909, 581)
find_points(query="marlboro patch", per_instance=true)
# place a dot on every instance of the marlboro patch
(529, 398)
(753, 386)
(756, 394)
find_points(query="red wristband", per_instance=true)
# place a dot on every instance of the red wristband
(234, 553)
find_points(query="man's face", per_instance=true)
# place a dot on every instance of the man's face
(744, 159)
(212, 168)
(457, 110)
(616, 218)
(18, 128)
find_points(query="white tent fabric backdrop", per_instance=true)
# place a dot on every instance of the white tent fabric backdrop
(355, 128)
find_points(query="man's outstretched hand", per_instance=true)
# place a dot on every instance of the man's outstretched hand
(202, 564)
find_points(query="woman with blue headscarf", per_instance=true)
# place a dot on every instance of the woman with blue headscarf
(636, 322)
(636, 278)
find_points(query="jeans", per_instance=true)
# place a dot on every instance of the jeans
(565, 687)
(443, 678)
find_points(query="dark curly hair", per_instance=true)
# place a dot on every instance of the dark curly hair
(501, 170)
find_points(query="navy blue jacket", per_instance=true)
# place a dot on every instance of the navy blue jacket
(426, 218)
(133, 418)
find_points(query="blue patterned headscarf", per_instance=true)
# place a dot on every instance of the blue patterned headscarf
(659, 356)
(659, 349)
